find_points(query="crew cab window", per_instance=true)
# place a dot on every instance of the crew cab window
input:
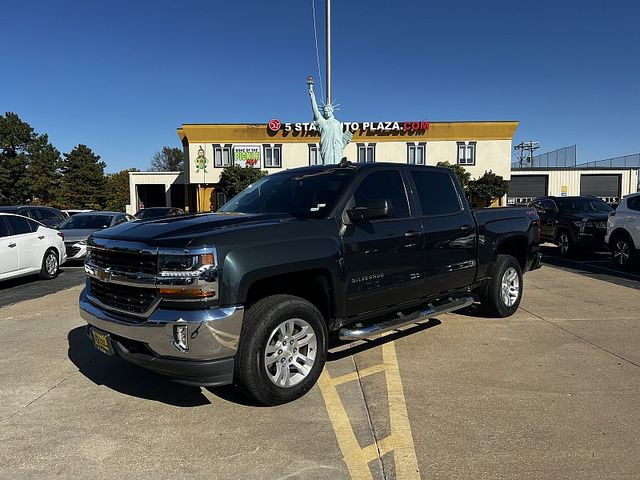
(386, 184)
(436, 192)
(18, 225)
(4, 230)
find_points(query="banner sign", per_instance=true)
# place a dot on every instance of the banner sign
(367, 128)
(247, 155)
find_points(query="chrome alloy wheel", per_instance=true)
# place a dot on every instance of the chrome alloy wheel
(290, 352)
(510, 289)
(621, 252)
(51, 263)
(563, 243)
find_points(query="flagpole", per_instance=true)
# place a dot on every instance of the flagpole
(328, 21)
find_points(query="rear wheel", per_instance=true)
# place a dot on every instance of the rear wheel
(502, 294)
(621, 249)
(282, 349)
(50, 265)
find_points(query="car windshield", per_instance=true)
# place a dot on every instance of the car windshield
(310, 194)
(583, 205)
(153, 213)
(89, 222)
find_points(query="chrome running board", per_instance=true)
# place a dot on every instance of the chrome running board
(370, 330)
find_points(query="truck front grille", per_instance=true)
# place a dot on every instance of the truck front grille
(124, 261)
(123, 297)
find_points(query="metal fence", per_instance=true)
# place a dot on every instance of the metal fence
(562, 157)
(632, 161)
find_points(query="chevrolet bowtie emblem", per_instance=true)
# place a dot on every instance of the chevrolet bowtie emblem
(104, 275)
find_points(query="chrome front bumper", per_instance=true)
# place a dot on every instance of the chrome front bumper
(212, 334)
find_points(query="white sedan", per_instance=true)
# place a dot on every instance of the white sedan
(28, 247)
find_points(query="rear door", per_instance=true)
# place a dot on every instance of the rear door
(384, 257)
(8, 249)
(449, 231)
(26, 242)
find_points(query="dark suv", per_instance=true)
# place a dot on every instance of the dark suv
(573, 222)
(48, 216)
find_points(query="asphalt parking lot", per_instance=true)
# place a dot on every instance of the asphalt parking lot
(551, 392)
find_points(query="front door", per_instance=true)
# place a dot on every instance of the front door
(383, 257)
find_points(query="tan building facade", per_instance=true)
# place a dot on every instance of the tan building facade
(209, 148)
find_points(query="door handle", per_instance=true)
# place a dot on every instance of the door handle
(11, 245)
(411, 234)
(465, 228)
(40, 237)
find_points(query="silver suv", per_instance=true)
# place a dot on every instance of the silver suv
(623, 231)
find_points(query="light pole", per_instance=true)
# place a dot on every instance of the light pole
(328, 21)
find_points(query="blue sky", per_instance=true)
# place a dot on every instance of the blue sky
(121, 76)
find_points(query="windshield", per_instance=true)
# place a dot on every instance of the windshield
(153, 212)
(89, 222)
(583, 205)
(310, 194)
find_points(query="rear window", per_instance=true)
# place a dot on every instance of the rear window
(4, 230)
(18, 225)
(436, 192)
(634, 203)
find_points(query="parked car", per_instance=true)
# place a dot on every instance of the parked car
(48, 216)
(78, 228)
(157, 212)
(573, 223)
(72, 212)
(250, 294)
(623, 231)
(28, 247)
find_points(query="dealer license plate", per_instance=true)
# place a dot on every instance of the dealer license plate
(102, 341)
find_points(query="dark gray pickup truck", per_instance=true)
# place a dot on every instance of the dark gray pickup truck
(251, 294)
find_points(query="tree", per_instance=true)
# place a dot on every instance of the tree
(234, 179)
(117, 196)
(15, 138)
(42, 179)
(169, 159)
(83, 183)
(461, 173)
(488, 187)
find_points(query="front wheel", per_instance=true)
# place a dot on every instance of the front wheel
(621, 251)
(282, 349)
(50, 265)
(502, 294)
(565, 244)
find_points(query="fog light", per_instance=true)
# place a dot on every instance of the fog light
(181, 337)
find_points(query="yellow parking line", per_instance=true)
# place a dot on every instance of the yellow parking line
(400, 441)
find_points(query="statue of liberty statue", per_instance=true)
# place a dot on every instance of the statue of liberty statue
(332, 139)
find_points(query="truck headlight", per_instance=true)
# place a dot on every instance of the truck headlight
(188, 273)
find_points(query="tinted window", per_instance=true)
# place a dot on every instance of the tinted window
(18, 225)
(582, 205)
(386, 185)
(34, 225)
(27, 212)
(4, 230)
(48, 214)
(87, 220)
(634, 203)
(436, 192)
(548, 204)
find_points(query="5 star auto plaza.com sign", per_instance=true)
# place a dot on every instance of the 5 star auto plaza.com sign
(276, 125)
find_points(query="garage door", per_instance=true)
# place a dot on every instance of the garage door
(606, 187)
(524, 188)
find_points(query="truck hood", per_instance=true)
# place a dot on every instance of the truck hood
(183, 228)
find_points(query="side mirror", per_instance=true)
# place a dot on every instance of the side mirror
(370, 209)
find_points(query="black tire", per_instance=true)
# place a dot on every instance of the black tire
(491, 297)
(622, 249)
(260, 321)
(565, 244)
(50, 270)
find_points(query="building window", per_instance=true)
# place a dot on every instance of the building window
(272, 156)
(314, 154)
(417, 153)
(467, 153)
(221, 155)
(366, 152)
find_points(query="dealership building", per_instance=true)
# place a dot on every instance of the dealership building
(477, 146)
(208, 148)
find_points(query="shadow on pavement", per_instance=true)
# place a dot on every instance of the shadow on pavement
(126, 378)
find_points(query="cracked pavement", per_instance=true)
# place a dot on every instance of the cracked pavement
(552, 392)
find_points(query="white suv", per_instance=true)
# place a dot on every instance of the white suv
(623, 231)
(28, 247)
